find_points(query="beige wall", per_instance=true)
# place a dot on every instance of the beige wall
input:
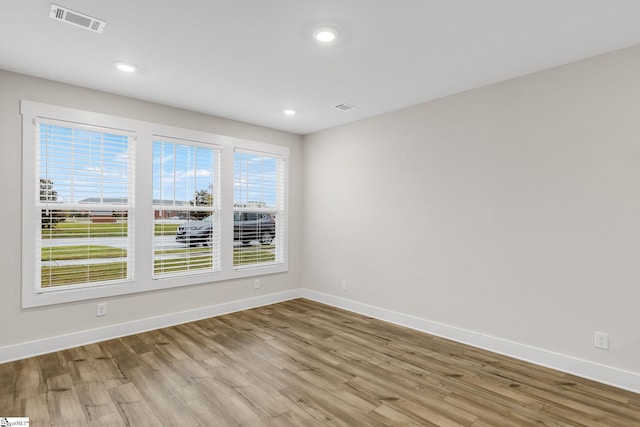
(511, 210)
(21, 326)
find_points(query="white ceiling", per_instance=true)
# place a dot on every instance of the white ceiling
(250, 59)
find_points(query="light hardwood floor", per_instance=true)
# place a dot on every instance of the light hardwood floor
(299, 363)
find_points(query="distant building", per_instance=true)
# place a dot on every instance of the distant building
(164, 209)
(251, 204)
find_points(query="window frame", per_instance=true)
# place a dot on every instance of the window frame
(214, 209)
(278, 209)
(144, 135)
(129, 206)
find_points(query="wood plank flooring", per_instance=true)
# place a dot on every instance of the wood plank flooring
(300, 363)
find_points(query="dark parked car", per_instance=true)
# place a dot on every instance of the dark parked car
(247, 226)
(195, 232)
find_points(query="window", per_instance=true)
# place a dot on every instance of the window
(113, 206)
(258, 208)
(85, 198)
(185, 208)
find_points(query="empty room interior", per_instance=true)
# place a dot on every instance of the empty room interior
(292, 213)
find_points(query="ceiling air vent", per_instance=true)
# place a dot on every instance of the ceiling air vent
(344, 107)
(78, 19)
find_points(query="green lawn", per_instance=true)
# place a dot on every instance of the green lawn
(181, 251)
(61, 253)
(85, 229)
(166, 229)
(71, 274)
(110, 229)
(241, 257)
(182, 264)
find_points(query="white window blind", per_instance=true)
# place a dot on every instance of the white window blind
(84, 204)
(259, 208)
(186, 204)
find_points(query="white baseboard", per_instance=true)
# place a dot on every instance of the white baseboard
(48, 345)
(604, 374)
(582, 368)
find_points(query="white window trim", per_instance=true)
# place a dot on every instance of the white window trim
(143, 280)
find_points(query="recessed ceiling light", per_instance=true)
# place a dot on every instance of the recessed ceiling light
(325, 34)
(127, 67)
(290, 112)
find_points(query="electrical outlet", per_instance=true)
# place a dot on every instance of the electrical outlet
(256, 284)
(344, 285)
(101, 309)
(601, 340)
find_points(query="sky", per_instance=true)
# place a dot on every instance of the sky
(83, 164)
(86, 164)
(180, 170)
(255, 179)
